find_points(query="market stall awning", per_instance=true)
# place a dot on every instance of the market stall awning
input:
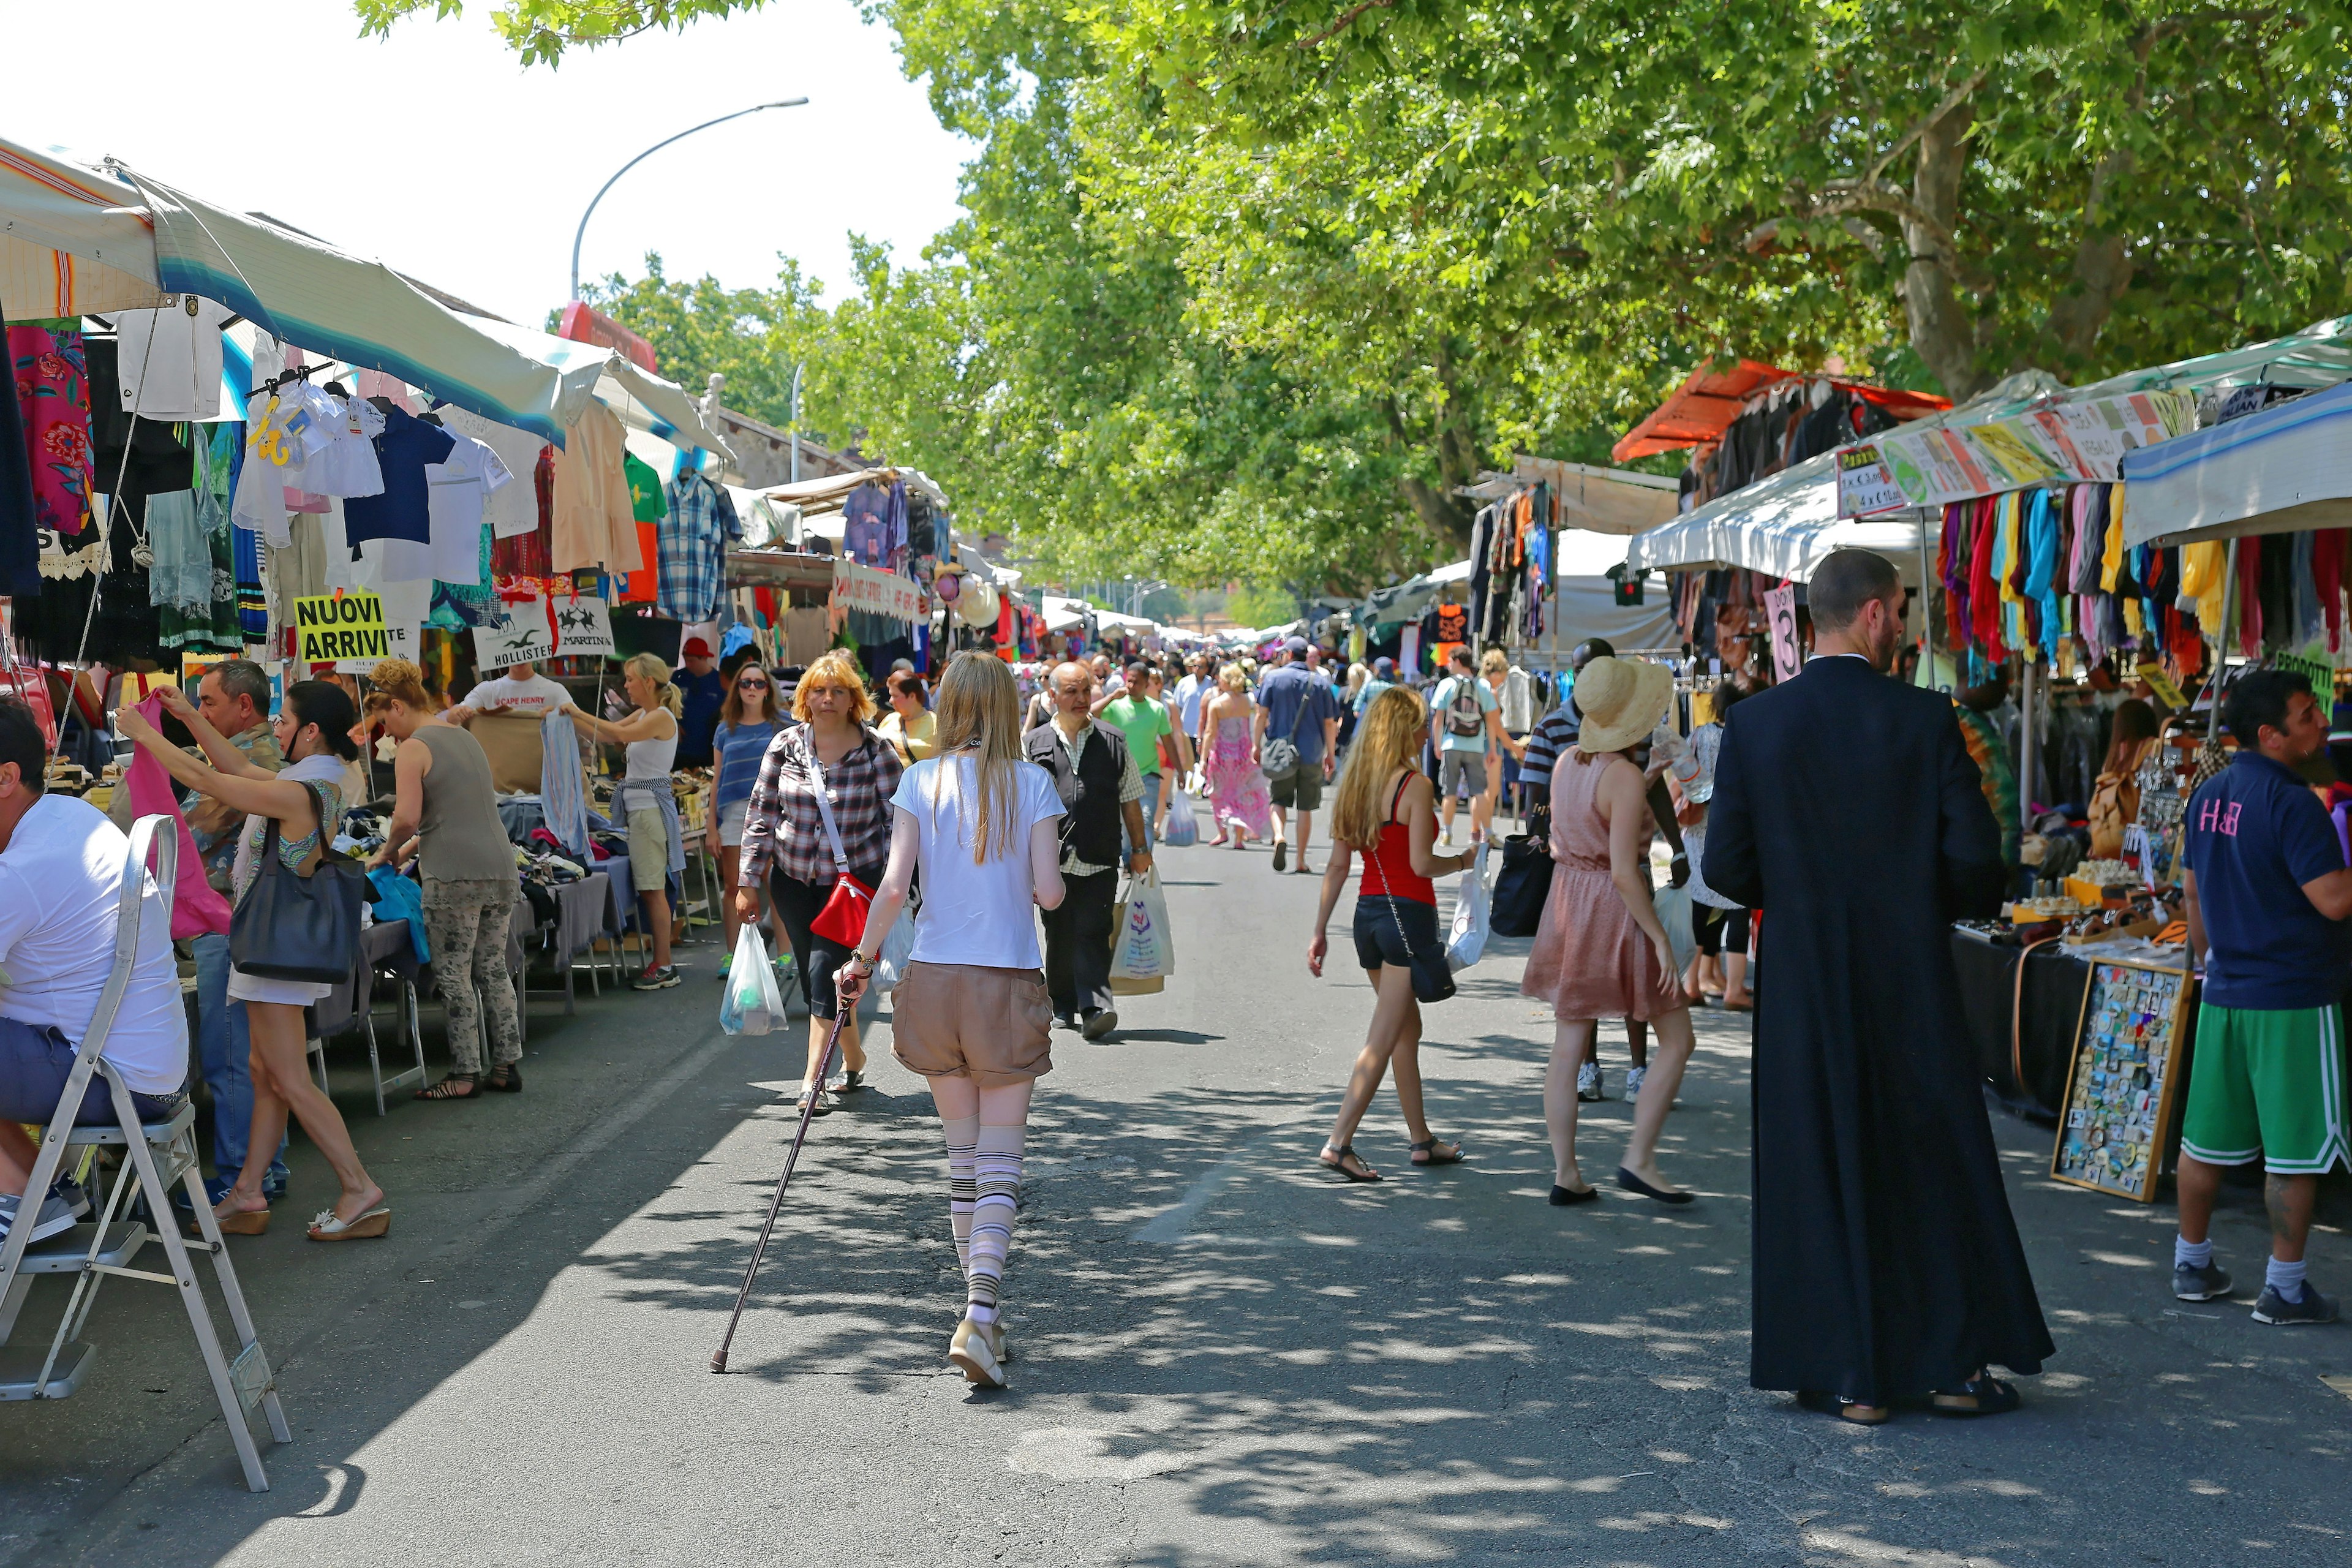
(2283, 470)
(1604, 500)
(305, 293)
(72, 240)
(1703, 407)
(1781, 526)
(1065, 614)
(815, 496)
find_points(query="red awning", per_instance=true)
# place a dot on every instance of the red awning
(1703, 406)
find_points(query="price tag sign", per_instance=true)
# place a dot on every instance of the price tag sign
(333, 628)
(1865, 484)
(2161, 684)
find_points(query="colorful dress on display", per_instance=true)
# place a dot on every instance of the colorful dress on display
(1236, 789)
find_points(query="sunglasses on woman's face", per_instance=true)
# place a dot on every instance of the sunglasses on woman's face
(751, 686)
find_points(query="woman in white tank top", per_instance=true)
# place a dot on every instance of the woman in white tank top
(648, 736)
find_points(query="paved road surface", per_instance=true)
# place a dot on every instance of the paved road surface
(1224, 1357)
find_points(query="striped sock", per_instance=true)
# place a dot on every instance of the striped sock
(961, 1136)
(997, 1169)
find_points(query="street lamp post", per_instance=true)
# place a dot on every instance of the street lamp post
(582, 231)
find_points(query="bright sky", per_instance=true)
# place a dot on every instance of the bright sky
(436, 152)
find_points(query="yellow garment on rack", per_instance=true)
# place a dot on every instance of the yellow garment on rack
(2133, 623)
(2201, 572)
(2012, 604)
(2111, 561)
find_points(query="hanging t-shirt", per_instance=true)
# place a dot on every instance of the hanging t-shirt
(403, 511)
(456, 492)
(509, 510)
(1452, 624)
(592, 519)
(346, 462)
(646, 502)
(866, 525)
(169, 359)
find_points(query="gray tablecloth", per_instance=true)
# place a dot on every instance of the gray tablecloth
(582, 912)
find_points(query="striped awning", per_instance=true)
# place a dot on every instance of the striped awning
(73, 241)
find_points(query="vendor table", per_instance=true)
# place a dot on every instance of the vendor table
(386, 953)
(2024, 1040)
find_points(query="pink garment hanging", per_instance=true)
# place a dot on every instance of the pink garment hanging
(198, 909)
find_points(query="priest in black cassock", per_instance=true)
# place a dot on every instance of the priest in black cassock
(1846, 810)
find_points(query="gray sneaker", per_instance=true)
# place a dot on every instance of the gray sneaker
(1633, 1077)
(76, 1201)
(2206, 1284)
(1588, 1083)
(2275, 1308)
(55, 1216)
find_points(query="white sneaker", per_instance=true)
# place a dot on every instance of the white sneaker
(1633, 1077)
(1588, 1082)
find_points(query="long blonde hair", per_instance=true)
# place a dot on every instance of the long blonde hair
(1388, 737)
(979, 712)
(649, 667)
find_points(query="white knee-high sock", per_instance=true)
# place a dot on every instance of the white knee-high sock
(997, 1173)
(962, 1134)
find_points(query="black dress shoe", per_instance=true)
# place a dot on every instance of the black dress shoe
(1563, 1197)
(1634, 1183)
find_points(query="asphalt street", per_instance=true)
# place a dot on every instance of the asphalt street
(1224, 1356)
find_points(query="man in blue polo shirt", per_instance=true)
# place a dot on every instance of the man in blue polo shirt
(1295, 706)
(2268, 893)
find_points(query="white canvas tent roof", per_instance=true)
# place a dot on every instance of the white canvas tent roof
(2285, 469)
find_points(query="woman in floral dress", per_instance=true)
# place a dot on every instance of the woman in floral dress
(1237, 790)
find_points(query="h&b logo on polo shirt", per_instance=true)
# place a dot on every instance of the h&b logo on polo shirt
(2215, 817)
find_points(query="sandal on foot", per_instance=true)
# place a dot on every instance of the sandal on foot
(368, 1226)
(244, 1222)
(1851, 1410)
(445, 1090)
(1984, 1395)
(1337, 1159)
(1426, 1153)
(505, 1078)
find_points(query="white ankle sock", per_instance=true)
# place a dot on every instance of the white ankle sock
(2192, 1254)
(2286, 1278)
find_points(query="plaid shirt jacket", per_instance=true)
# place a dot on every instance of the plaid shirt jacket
(691, 544)
(784, 830)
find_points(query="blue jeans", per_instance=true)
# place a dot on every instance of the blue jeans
(1151, 805)
(224, 1052)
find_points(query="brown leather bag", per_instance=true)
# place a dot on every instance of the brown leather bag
(2115, 806)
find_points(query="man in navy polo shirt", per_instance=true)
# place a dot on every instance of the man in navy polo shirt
(2268, 894)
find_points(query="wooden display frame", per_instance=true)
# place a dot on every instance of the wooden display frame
(2163, 1067)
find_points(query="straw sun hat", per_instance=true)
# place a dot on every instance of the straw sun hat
(1622, 701)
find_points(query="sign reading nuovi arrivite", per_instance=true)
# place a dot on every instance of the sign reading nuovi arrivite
(1864, 484)
(340, 625)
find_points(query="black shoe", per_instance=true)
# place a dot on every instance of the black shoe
(2206, 1284)
(2276, 1309)
(1065, 1020)
(1281, 854)
(1099, 1023)
(1634, 1183)
(1561, 1197)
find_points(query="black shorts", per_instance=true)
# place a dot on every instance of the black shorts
(1719, 929)
(815, 957)
(1390, 931)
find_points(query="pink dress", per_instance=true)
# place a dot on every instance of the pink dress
(1590, 959)
(1237, 790)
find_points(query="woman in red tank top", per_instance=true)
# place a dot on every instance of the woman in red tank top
(1386, 812)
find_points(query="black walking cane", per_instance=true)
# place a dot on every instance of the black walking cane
(808, 1112)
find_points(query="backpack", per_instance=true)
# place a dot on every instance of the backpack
(1463, 716)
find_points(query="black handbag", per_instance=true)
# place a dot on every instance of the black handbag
(291, 927)
(1432, 976)
(1522, 887)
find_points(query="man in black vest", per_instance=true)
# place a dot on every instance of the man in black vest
(1099, 785)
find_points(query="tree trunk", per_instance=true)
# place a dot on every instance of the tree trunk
(2103, 267)
(1439, 512)
(1940, 329)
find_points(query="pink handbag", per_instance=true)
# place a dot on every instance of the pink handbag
(197, 909)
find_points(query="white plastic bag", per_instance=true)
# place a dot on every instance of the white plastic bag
(1183, 828)
(1467, 943)
(897, 946)
(1143, 948)
(752, 1003)
(1673, 907)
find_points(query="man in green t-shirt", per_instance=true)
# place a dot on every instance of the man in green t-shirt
(1143, 720)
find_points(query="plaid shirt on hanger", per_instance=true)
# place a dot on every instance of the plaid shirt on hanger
(784, 830)
(692, 546)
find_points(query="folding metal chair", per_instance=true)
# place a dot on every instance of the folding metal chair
(354, 1005)
(155, 1155)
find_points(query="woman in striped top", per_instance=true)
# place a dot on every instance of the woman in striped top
(747, 722)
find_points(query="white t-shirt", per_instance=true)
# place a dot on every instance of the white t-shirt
(58, 882)
(535, 697)
(170, 362)
(454, 493)
(509, 510)
(974, 914)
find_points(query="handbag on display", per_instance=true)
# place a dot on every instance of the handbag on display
(292, 927)
(843, 919)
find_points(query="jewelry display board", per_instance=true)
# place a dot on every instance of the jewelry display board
(2121, 1089)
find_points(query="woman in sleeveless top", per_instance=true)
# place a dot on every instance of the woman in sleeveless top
(645, 802)
(314, 730)
(1386, 812)
(1601, 950)
(445, 812)
(1237, 791)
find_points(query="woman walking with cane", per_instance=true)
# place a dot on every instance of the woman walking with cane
(973, 1015)
(1600, 950)
(1387, 813)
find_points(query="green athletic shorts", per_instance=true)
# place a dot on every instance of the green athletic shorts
(2269, 1085)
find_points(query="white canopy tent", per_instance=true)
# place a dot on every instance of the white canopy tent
(2283, 470)
(1782, 526)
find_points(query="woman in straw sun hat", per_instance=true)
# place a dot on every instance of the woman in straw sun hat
(1601, 950)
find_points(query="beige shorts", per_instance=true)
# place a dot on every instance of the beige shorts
(648, 849)
(964, 1020)
(730, 825)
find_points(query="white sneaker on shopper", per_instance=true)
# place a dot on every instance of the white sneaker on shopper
(1633, 1077)
(1588, 1082)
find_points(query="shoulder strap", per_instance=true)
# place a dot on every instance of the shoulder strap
(1397, 799)
(825, 811)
